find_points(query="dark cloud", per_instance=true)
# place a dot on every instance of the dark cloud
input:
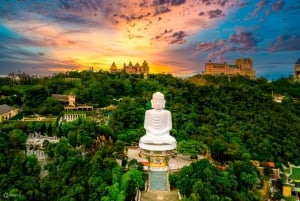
(171, 37)
(178, 37)
(277, 5)
(216, 50)
(216, 2)
(129, 18)
(162, 35)
(285, 43)
(143, 3)
(162, 9)
(222, 2)
(177, 2)
(201, 13)
(207, 2)
(215, 13)
(169, 2)
(245, 40)
(208, 46)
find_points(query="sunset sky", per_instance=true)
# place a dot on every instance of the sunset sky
(173, 36)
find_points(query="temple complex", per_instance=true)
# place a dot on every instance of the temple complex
(241, 66)
(132, 69)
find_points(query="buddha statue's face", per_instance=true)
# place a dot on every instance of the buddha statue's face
(158, 102)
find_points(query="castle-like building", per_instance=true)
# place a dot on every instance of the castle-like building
(132, 69)
(241, 66)
(296, 76)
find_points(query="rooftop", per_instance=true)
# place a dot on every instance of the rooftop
(5, 108)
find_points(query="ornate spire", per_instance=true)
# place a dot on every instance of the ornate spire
(113, 66)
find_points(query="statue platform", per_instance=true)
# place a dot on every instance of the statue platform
(157, 147)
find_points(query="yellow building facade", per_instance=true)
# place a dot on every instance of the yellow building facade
(132, 69)
(241, 66)
(7, 112)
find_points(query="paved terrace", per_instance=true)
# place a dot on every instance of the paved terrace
(175, 163)
(160, 196)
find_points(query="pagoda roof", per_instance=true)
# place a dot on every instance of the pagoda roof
(113, 65)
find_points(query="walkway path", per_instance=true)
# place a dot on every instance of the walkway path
(158, 180)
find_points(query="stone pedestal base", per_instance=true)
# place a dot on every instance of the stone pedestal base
(157, 147)
(157, 159)
(157, 154)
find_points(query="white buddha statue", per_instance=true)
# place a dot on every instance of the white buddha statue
(158, 123)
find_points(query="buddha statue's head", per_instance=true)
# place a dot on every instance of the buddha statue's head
(158, 101)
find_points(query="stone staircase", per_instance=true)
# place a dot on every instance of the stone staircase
(158, 180)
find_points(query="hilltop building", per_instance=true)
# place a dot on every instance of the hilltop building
(132, 69)
(296, 77)
(7, 112)
(65, 98)
(241, 66)
(72, 111)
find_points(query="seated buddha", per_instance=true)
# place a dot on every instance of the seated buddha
(158, 123)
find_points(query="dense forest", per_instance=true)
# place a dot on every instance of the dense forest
(234, 118)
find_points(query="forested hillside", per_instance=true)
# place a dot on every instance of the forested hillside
(235, 119)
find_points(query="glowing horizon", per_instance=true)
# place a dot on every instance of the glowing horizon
(173, 36)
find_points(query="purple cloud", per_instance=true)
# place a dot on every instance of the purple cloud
(177, 2)
(170, 2)
(222, 2)
(285, 43)
(214, 13)
(171, 37)
(216, 50)
(206, 2)
(201, 13)
(259, 6)
(210, 45)
(278, 5)
(161, 10)
(178, 37)
(245, 40)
